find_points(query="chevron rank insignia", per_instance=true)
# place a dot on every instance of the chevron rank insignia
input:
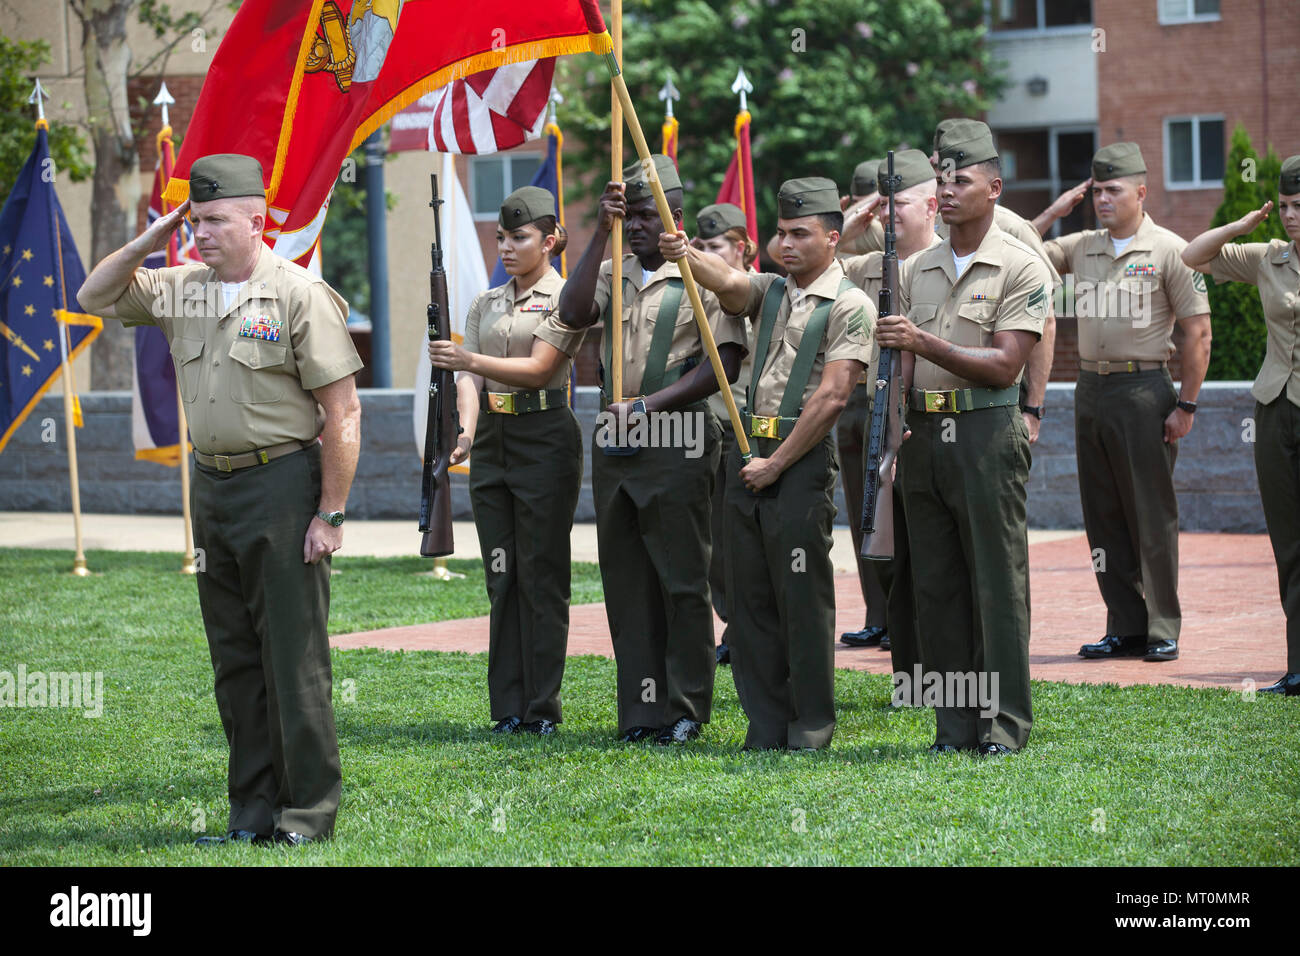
(1037, 304)
(1198, 282)
(858, 325)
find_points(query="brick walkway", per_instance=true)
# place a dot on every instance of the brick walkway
(1233, 626)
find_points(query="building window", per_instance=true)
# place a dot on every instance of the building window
(1188, 11)
(1038, 15)
(1194, 152)
(493, 178)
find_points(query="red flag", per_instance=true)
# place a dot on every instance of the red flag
(299, 84)
(738, 184)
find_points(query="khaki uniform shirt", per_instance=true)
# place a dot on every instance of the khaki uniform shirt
(1005, 287)
(850, 331)
(716, 404)
(246, 371)
(1126, 307)
(641, 312)
(1013, 224)
(868, 273)
(1274, 268)
(503, 322)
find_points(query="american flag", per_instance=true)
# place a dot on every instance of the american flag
(485, 112)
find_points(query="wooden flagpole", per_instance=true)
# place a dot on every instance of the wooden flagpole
(616, 164)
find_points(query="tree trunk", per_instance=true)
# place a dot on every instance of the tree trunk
(116, 190)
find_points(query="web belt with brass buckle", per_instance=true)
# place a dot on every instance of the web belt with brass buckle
(522, 403)
(762, 426)
(1112, 368)
(247, 459)
(956, 400)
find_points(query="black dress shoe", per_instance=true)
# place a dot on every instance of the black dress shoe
(682, 730)
(1113, 645)
(506, 725)
(289, 838)
(1162, 651)
(637, 734)
(1288, 684)
(885, 644)
(944, 749)
(724, 653)
(867, 637)
(232, 836)
(989, 749)
(543, 727)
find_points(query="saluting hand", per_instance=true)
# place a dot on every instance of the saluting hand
(859, 217)
(449, 355)
(897, 332)
(673, 245)
(155, 238)
(1065, 203)
(1247, 223)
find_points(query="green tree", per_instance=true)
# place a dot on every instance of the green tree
(345, 244)
(835, 82)
(1240, 335)
(19, 61)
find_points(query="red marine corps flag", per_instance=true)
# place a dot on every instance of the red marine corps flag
(299, 84)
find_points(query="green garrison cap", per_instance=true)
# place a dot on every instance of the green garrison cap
(942, 128)
(1116, 160)
(810, 196)
(225, 176)
(864, 178)
(715, 220)
(1288, 184)
(524, 205)
(964, 142)
(637, 188)
(911, 166)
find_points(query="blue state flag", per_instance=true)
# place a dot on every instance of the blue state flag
(41, 273)
(547, 179)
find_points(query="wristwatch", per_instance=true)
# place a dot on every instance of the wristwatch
(1035, 410)
(638, 406)
(332, 518)
(1188, 407)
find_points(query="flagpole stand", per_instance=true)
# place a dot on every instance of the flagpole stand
(441, 572)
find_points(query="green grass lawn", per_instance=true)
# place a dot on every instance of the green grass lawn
(1143, 775)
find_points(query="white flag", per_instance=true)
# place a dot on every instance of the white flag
(462, 257)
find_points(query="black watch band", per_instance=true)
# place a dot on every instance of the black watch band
(1188, 407)
(638, 407)
(1035, 410)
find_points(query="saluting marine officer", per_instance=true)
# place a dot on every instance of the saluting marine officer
(887, 585)
(721, 229)
(652, 502)
(812, 343)
(975, 306)
(265, 367)
(527, 460)
(1273, 267)
(1131, 286)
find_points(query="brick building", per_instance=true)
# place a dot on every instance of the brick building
(1174, 76)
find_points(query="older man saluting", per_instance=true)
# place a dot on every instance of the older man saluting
(265, 367)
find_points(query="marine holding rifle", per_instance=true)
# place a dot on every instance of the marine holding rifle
(972, 309)
(527, 461)
(813, 341)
